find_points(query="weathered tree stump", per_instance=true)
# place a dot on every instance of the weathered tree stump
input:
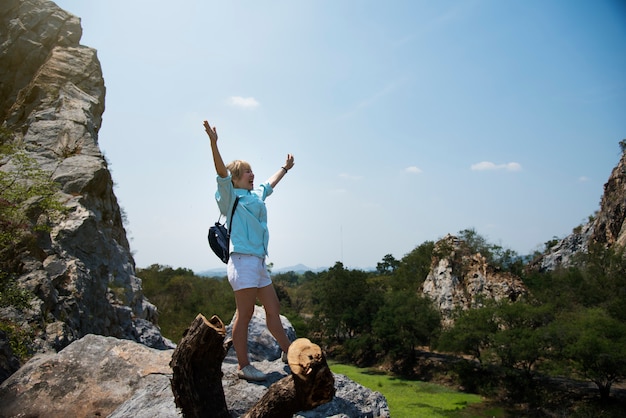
(197, 376)
(310, 384)
(197, 369)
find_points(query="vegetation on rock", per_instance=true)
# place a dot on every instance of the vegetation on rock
(28, 201)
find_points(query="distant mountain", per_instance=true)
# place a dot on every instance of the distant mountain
(219, 272)
(298, 268)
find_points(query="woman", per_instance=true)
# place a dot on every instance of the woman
(247, 272)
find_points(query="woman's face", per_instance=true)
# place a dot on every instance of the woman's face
(246, 180)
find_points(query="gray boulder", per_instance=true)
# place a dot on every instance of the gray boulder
(106, 376)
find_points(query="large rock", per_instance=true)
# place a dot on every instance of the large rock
(105, 376)
(610, 221)
(606, 228)
(261, 343)
(461, 280)
(82, 272)
(564, 251)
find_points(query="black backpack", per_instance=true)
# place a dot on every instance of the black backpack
(219, 236)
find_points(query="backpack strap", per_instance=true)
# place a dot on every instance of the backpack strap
(232, 213)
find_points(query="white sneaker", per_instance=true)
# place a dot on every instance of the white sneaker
(251, 373)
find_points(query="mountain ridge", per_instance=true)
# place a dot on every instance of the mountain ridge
(298, 268)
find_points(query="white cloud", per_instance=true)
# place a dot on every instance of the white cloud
(488, 165)
(350, 176)
(583, 179)
(243, 102)
(413, 170)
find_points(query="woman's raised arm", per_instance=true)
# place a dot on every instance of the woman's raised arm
(220, 167)
(289, 162)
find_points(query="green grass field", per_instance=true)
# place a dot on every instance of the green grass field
(415, 399)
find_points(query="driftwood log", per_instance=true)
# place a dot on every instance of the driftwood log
(197, 376)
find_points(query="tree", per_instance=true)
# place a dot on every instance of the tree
(413, 268)
(180, 295)
(343, 303)
(387, 266)
(603, 279)
(594, 345)
(496, 255)
(405, 321)
(473, 331)
(522, 339)
(597, 279)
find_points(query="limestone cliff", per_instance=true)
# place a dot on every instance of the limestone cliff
(459, 279)
(52, 97)
(607, 227)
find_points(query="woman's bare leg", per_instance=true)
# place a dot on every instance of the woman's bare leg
(267, 296)
(245, 300)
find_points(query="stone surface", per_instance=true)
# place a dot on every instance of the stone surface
(261, 344)
(105, 376)
(610, 221)
(459, 280)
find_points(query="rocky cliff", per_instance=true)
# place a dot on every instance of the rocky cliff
(607, 227)
(460, 279)
(82, 272)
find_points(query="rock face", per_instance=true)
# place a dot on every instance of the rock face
(610, 223)
(562, 253)
(460, 280)
(607, 228)
(105, 376)
(52, 98)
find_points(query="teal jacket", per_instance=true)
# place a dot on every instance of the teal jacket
(248, 228)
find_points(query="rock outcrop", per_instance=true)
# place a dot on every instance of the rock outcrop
(82, 272)
(461, 280)
(607, 227)
(105, 376)
(563, 252)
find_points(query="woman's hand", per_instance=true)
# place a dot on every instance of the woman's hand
(289, 162)
(212, 132)
(273, 181)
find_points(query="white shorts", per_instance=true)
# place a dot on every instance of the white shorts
(246, 271)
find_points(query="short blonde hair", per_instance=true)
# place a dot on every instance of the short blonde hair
(237, 168)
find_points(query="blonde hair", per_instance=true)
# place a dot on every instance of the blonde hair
(237, 167)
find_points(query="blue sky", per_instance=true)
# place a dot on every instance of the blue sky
(408, 119)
